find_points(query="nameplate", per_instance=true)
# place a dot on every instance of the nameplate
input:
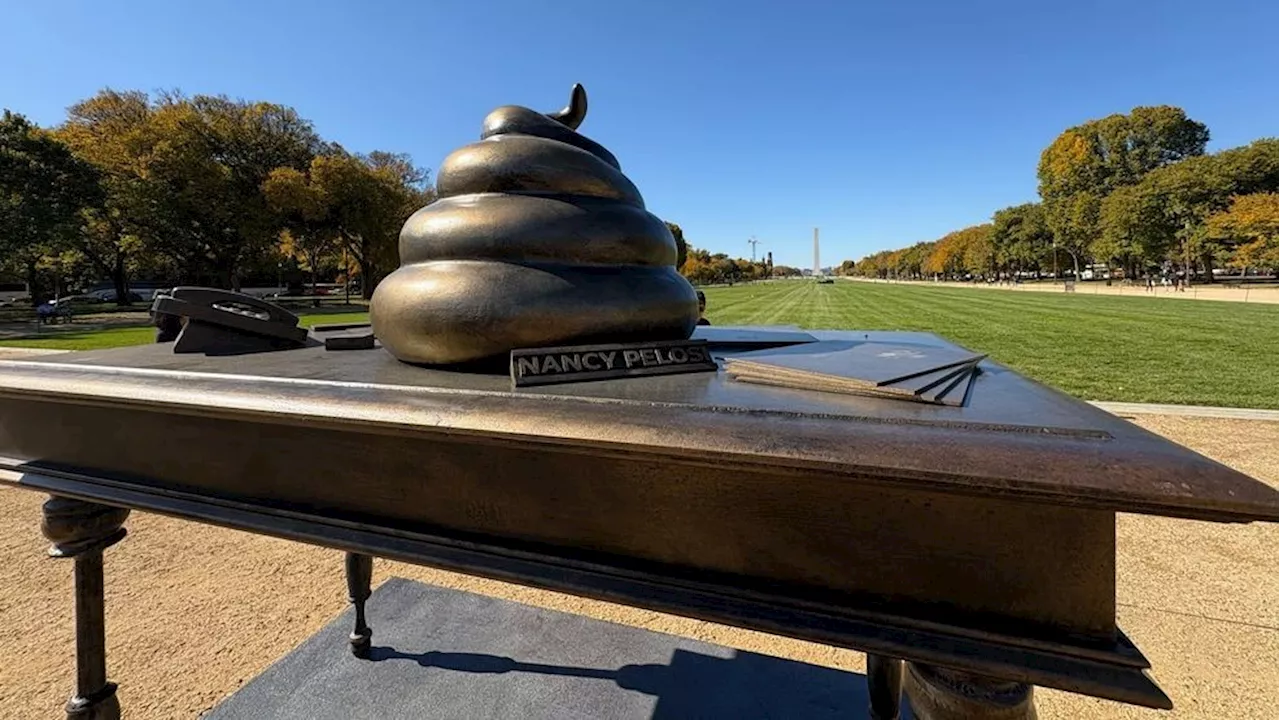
(547, 366)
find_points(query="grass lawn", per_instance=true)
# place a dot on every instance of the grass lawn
(1095, 347)
(141, 335)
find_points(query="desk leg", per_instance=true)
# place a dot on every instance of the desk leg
(884, 686)
(938, 693)
(82, 530)
(359, 579)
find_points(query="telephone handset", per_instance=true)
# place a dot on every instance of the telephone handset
(221, 322)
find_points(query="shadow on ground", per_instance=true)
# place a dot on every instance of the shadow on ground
(692, 685)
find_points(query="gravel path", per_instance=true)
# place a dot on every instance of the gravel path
(195, 611)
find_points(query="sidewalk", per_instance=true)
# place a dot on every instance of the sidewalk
(18, 353)
(1125, 409)
(1266, 294)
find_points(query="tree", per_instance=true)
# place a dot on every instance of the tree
(1134, 228)
(1074, 221)
(44, 189)
(1088, 162)
(210, 163)
(700, 267)
(1102, 155)
(908, 263)
(1021, 237)
(979, 252)
(682, 250)
(876, 266)
(1250, 228)
(310, 232)
(1189, 192)
(112, 131)
(370, 197)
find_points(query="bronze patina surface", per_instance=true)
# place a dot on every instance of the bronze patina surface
(537, 239)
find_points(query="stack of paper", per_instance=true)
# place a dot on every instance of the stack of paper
(939, 375)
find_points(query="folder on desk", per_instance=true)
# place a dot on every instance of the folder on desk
(939, 375)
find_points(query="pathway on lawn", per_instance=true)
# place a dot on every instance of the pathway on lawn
(1218, 291)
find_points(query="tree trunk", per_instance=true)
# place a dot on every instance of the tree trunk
(229, 279)
(312, 259)
(120, 281)
(33, 284)
(1207, 260)
(369, 277)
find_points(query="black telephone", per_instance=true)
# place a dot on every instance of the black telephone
(221, 322)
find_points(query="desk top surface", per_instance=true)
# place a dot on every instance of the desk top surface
(1011, 436)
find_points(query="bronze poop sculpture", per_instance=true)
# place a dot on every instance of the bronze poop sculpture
(537, 240)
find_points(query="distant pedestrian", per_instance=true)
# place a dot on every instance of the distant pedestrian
(46, 313)
(702, 309)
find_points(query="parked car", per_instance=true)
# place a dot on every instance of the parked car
(109, 296)
(76, 301)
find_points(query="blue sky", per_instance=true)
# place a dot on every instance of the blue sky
(881, 123)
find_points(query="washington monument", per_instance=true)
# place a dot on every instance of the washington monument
(817, 265)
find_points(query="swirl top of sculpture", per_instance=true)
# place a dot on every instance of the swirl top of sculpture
(560, 125)
(528, 152)
(537, 238)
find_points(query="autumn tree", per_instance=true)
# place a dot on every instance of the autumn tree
(979, 251)
(1087, 162)
(1249, 228)
(701, 267)
(44, 191)
(876, 265)
(369, 198)
(908, 263)
(940, 259)
(113, 132)
(1163, 217)
(210, 167)
(309, 231)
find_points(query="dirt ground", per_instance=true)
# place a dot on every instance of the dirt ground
(194, 612)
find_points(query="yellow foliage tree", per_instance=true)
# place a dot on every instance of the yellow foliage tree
(1250, 228)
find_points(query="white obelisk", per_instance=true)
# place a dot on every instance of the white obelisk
(817, 266)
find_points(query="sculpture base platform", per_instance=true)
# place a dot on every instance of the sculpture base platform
(440, 653)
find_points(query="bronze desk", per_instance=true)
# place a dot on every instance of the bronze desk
(978, 538)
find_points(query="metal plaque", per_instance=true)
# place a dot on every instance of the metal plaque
(548, 366)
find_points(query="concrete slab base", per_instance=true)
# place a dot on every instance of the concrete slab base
(441, 653)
